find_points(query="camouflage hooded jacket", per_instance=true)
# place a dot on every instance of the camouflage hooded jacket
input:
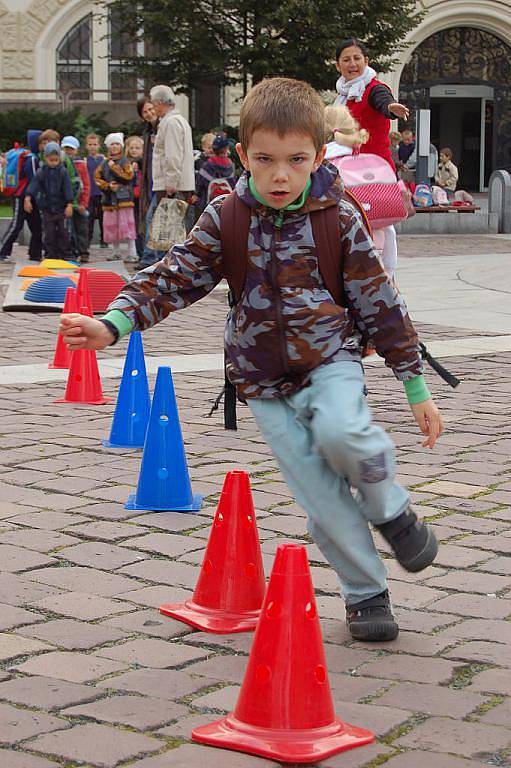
(286, 323)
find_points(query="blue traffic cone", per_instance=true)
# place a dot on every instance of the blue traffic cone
(129, 425)
(164, 484)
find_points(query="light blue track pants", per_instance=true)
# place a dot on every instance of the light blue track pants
(326, 445)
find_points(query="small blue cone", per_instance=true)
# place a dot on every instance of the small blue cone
(163, 483)
(129, 425)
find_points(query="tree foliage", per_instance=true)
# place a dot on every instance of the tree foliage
(224, 41)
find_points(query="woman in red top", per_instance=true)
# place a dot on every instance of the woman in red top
(370, 102)
(372, 105)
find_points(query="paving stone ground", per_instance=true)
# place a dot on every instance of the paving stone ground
(92, 675)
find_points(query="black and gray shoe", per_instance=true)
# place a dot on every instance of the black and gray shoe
(372, 620)
(413, 542)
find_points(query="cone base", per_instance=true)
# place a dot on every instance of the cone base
(285, 746)
(193, 507)
(103, 401)
(211, 619)
(108, 444)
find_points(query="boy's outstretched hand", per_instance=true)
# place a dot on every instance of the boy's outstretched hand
(82, 332)
(430, 421)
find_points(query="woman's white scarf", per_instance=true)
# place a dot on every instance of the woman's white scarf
(353, 89)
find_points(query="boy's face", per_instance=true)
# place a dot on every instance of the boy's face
(407, 137)
(115, 148)
(70, 151)
(280, 165)
(52, 160)
(92, 146)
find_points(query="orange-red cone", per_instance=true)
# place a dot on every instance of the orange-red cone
(83, 298)
(62, 356)
(83, 382)
(230, 589)
(285, 710)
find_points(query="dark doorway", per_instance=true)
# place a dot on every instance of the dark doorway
(456, 123)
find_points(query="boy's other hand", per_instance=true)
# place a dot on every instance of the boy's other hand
(82, 332)
(430, 421)
(68, 211)
(27, 205)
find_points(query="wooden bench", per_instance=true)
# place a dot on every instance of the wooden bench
(448, 209)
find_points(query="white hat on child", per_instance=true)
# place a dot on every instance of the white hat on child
(115, 138)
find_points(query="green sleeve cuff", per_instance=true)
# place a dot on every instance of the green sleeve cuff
(120, 320)
(416, 390)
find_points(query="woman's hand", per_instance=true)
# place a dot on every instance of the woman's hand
(399, 110)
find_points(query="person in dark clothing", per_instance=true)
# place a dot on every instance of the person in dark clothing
(406, 146)
(146, 112)
(51, 190)
(217, 167)
(94, 160)
(29, 167)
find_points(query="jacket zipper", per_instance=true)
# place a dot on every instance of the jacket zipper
(278, 300)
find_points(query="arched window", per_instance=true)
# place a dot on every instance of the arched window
(74, 60)
(123, 82)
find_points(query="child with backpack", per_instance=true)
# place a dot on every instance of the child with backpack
(370, 178)
(21, 164)
(52, 191)
(114, 178)
(294, 338)
(79, 176)
(216, 175)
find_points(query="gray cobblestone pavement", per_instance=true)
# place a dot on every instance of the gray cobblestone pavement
(92, 675)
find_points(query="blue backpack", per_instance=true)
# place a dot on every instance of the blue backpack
(14, 159)
(423, 196)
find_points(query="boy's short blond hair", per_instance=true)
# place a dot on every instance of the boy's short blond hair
(49, 135)
(341, 127)
(92, 136)
(283, 105)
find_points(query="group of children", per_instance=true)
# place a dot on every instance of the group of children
(61, 195)
(445, 173)
(295, 337)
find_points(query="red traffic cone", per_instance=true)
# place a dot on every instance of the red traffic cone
(83, 298)
(230, 589)
(83, 382)
(62, 356)
(285, 709)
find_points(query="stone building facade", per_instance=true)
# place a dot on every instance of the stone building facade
(57, 51)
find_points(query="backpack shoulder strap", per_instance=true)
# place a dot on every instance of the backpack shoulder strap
(234, 228)
(351, 198)
(327, 238)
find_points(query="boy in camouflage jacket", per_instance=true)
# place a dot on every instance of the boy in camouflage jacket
(294, 355)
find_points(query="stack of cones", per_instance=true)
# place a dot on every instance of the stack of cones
(62, 356)
(230, 589)
(285, 710)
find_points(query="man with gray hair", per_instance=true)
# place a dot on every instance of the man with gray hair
(173, 163)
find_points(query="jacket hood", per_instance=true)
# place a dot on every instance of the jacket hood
(33, 140)
(326, 190)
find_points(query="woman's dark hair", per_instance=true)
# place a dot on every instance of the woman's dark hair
(142, 101)
(348, 43)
